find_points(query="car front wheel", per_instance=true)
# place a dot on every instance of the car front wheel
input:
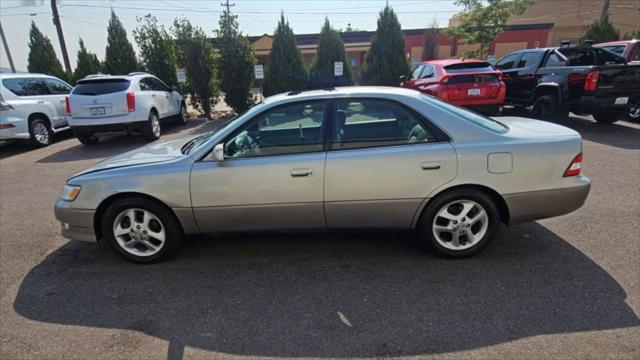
(459, 223)
(182, 117)
(141, 230)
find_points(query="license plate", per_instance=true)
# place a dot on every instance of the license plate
(97, 111)
(622, 101)
(473, 92)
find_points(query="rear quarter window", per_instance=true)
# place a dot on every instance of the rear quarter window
(100, 87)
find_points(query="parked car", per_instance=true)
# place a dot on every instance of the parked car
(138, 101)
(630, 50)
(474, 84)
(354, 157)
(586, 81)
(32, 107)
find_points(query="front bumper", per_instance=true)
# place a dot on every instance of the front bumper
(534, 205)
(76, 224)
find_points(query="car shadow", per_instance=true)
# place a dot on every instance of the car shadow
(621, 134)
(330, 295)
(115, 143)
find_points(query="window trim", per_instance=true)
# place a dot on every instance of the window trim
(438, 133)
(51, 92)
(325, 120)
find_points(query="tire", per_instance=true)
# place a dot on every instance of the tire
(182, 117)
(40, 132)
(86, 137)
(136, 241)
(634, 112)
(151, 129)
(438, 233)
(607, 118)
(547, 107)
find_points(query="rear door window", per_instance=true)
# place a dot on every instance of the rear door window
(100, 86)
(27, 86)
(554, 60)
(427, 72)
(415, 74)
(58, 87)
(507, 62)
(158, 85)
(530, 59)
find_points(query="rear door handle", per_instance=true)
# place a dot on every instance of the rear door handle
(433, 165)
(300, 172)
(40, 101)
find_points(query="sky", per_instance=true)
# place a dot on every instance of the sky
(88, 18)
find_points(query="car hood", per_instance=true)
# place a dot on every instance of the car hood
(530, 128)
(153, 153)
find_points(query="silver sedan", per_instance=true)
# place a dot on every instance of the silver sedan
(354, 157)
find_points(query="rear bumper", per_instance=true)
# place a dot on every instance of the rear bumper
(19, 129)
(534, 205)
(76, 224)
(110, 127)
(593, 104)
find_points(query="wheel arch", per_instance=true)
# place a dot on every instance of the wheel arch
(38, 115)
(500, 202)
(110, 200)
(547, 89)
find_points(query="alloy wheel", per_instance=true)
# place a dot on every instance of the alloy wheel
(155, 125)
(139, 232)
(460, 224)
(41, 133)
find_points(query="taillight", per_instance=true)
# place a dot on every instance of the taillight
(67, 107)
(445, 79)
(591, 82)
(131, 102)
(5, 106)
(6, 126)
(574, 167)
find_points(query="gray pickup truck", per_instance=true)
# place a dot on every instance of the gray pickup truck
(583, 80)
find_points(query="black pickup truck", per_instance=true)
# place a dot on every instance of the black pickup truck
(583, 80)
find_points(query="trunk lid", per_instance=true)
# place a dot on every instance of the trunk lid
(535, 129)
(98, 98)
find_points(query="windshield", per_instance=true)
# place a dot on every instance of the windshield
(485, 122)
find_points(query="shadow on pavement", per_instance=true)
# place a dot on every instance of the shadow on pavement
(622, 134)
(118, 142)
(279, 295)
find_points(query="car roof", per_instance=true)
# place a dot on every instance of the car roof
(346, 91)
(619, 42)
(25, 76)
(445, 62)
(131, 76)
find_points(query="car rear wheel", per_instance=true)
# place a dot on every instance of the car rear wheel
(86, 137)
(151, 129)
(547, 107)
(41, 133)
(141, 230)
(607, 118)
(459, 223)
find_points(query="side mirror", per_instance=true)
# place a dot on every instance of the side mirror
(218, 152)
(402, 78)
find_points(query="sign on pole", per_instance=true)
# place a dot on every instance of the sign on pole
(259, 71)
(181, 74)
(337, 68)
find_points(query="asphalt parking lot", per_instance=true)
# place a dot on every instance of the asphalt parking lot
(565, 287)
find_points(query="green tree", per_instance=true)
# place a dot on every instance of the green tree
(285, 68)
(330, 50)
(481, 24)
(235, 63)
(42, 58)
(386, 60)
(119, 57)
(195, 53)
(157, 49)
(430, 46)
(635, 34)
(601, 31)
(87, 63)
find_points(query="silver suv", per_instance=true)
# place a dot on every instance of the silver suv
(138, 101)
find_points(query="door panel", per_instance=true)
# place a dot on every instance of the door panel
(259, 193)
(383, 187)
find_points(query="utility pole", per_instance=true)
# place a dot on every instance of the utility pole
(63, 46)
(6, 50)
(228, 6)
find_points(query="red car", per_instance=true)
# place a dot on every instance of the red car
(629, 49)
(474, 84)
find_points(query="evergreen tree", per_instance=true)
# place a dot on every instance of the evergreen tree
(601, 31)
(235, 63)
(42, 58)
(330, 50)
(195, 53)
(120, 59)
(157, 49)
(285, 69)
(386, 60)
(635, 34)
(87, 63)
(430, 46)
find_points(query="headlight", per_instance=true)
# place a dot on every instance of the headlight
(70, 192)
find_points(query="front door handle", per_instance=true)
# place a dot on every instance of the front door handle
(433, 165)
(300, 172)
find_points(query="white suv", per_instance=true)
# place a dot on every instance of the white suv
(138, 101)
(32, 106)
